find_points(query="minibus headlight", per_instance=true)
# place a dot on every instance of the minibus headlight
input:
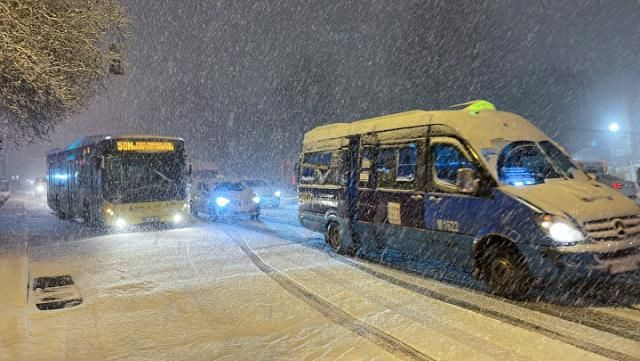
(256, 199)
(560, 230)
(222, 201)
(277, 193)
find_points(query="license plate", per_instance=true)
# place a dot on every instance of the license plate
(151, 219)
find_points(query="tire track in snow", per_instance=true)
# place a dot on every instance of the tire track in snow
(584, 345)
(383, 340)
(600, 321)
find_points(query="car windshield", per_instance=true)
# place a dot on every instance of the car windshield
(228, 187)
(256, 183)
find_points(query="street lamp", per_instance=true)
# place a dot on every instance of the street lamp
(614, 127)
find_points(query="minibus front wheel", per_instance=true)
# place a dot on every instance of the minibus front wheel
(332, 237)
(504, 269)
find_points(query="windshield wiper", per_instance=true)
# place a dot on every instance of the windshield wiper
(163, 176)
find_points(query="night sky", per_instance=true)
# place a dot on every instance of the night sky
(241, 81)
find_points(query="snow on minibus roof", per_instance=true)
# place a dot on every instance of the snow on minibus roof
(479, 128)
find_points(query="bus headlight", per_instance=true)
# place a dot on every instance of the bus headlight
(120, 223)
(560, 230)
(277, 193)
(222, 201)
(256, 199)
(177, 218)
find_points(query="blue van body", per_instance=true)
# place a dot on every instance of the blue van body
(442, 184)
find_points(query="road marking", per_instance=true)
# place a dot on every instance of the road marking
(385, 341)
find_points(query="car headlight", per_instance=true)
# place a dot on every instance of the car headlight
(560, 230)
(40, 188)
(277, 193)
(177, 218)
(222, 201)
(256, 199)
(120, 223)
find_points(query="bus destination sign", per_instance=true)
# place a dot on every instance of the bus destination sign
(145, 146)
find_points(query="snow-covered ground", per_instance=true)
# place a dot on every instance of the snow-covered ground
(273, 290)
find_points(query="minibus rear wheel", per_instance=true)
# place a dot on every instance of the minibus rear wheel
(332, 237)
(505, 270)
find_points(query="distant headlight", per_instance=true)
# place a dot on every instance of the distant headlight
(561, 231)
(276, 193)
(256, 199)
(120, 223)
(40, 188)
(222, 201)
(177, 218)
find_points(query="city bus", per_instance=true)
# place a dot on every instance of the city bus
(480, 189)
(119, 181)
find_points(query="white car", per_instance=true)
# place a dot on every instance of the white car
(220, 198)
(269, 196)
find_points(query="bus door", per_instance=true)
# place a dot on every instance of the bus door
(95, 188)
(452, 216)
(70, 188)
(365, 202)
(399, 196)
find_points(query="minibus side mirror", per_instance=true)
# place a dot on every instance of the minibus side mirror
(466, 181)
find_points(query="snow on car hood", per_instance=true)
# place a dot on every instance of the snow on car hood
(583, 201)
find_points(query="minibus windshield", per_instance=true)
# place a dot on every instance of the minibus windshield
(526, 163)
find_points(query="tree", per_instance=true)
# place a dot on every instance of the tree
(54, 55)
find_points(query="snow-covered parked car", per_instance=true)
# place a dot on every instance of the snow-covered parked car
(628, 188)
(219, 198)
(269, 196)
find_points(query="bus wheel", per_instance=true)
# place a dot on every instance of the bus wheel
(332, 236)
(86, 214)
(192, 210)
(505, 270)
(59, 212)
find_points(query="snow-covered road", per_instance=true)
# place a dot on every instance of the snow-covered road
(273, 290)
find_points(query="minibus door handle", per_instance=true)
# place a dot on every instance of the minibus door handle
(435, 199)
(417, 197)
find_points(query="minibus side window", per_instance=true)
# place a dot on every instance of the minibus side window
(396, 167)
(447, 159)
(386, 167)
(323, 168)
(407, 163)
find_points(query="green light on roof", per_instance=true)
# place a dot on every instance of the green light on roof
(475, 106)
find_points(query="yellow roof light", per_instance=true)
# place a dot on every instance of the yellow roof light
(475, 106)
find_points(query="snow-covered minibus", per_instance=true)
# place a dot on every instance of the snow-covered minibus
(480, 188)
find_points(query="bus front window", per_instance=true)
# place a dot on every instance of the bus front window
(144, 177)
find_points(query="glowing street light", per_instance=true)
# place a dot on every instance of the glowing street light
(614, 127)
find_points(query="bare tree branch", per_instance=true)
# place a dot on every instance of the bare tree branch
(54, 55)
